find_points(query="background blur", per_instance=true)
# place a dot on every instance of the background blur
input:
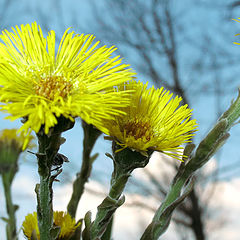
(186, 46)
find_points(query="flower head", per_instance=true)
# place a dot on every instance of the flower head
(63, 220)
(38, 85)
(11, 138)
(153, 121)
(11, 145)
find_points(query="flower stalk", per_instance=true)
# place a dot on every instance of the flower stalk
(48, 149)
(44, 189)
(109, 205)
(125, 161)
(205, 150)
(91, 134)
(10, 149)
(7, 179)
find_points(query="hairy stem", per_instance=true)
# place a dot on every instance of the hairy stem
(125, 161)
(90, 136)
(108, 233)
(205, 150)
(109, 205)
(47, 151)
(11, 208)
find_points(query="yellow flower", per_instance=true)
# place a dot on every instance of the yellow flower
(38, 85)
(30, 226)
(60, 219)
(153, 121)
(11, 145)
(67, 224)
(11, 138)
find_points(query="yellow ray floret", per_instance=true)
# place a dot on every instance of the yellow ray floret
(11, 138)
(63, 220)
(154, 120)
(40, 85)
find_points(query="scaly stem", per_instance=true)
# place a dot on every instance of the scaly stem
(47, 151)
(44, 190)
(125, 161)
(172, 195)
(108, 233)
(109, 205)
(90, 136)
(205, 150)
(162, 216)
(48, 148)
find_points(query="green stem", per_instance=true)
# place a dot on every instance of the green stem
(48, 148)
(109, 205)
(47, 151)
(118, 182)
(44, 191)
(11, 208)
(205, 150)
(125, 161)
(172, 195)
(108, 233)
(45, 217)
(162, 216)
(233, 112)
(90, 136)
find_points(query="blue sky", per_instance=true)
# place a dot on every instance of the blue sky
(204, 105)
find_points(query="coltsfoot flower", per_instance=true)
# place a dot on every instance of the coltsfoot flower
(40, 85)
(11, 138)
(11, 145)
(61, 219)
(154, 120)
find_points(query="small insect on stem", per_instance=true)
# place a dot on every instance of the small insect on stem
(58, 160)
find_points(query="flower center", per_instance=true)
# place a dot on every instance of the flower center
(138, 129)
(53, 87)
